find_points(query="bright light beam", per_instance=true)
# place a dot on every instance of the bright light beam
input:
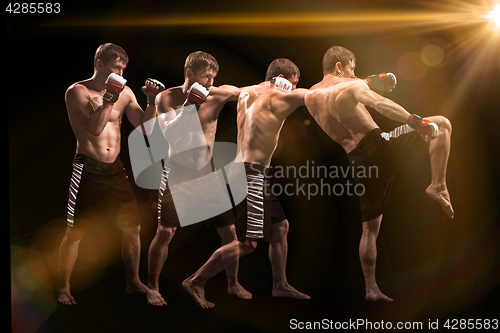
(495, 16)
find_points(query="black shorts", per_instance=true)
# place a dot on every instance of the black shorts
(381, 150)
(167, 213)
(256, 214)
(98, 189)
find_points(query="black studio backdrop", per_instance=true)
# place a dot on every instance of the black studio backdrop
(420, 251)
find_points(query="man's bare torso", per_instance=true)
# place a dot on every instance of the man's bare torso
(198, 139)
(106, 146)
(333, 106)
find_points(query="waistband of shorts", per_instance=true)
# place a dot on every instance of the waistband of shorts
(254, 168)
(374, 132)
(96, 165)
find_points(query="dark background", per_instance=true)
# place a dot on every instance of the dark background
(434, 268)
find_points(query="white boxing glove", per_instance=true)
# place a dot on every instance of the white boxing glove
(282, 83)
(114, 86)
(196, 95)
(427, 129)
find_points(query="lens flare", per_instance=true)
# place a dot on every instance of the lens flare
(432, 55)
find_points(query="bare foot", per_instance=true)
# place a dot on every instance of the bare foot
(238, 290)
(154, 298)
(64, 297)
(137, 288)
(288, 291)
(375, 295)
(197, 293)
(441, 195)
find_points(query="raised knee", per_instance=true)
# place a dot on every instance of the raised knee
(444, 124)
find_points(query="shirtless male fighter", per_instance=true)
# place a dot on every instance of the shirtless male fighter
(262, 110)
(337, 103)
(179, 108)
(96, 107)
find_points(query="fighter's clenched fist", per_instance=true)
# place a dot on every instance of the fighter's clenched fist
(151, 88)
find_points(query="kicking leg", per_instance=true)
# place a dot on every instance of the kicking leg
(439, 151)
(68, 253)
(368, 257)
(195, 284)
(278, 252)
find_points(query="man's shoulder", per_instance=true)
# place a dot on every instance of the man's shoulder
(78, 89)
(128, 92)
(172, 94)
(334, 88)
(79, 86)
(170, 99)
(249, 89)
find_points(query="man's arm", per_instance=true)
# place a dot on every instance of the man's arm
(362, 93)
(134, 112)
(427, 129)
(226, 92)
(81, 110)
(287, 102)
(147, 117)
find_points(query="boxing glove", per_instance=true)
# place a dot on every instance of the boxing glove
(280, 82)
(196, 95)
(383, 81)
(424, 127)
(114, 86)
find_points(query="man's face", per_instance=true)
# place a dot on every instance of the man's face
(205, 77)
(116, 66)
(294, 80)
(348, 70)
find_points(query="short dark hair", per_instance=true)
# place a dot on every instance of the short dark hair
(109, 51)
(282, 66)
(336, 54)
(199, 60)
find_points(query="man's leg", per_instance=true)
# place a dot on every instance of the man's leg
(157, 256)
(278, 252)
(228, 235)
(68, 253)
(439, 151)
(131, 253)
(195, 284)
(368, 257)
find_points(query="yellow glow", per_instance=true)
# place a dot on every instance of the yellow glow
(449, 14)
(279, 19)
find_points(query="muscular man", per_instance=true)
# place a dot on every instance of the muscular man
(338, 105)
(96, 107)
(262, 110)
(181, 110)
